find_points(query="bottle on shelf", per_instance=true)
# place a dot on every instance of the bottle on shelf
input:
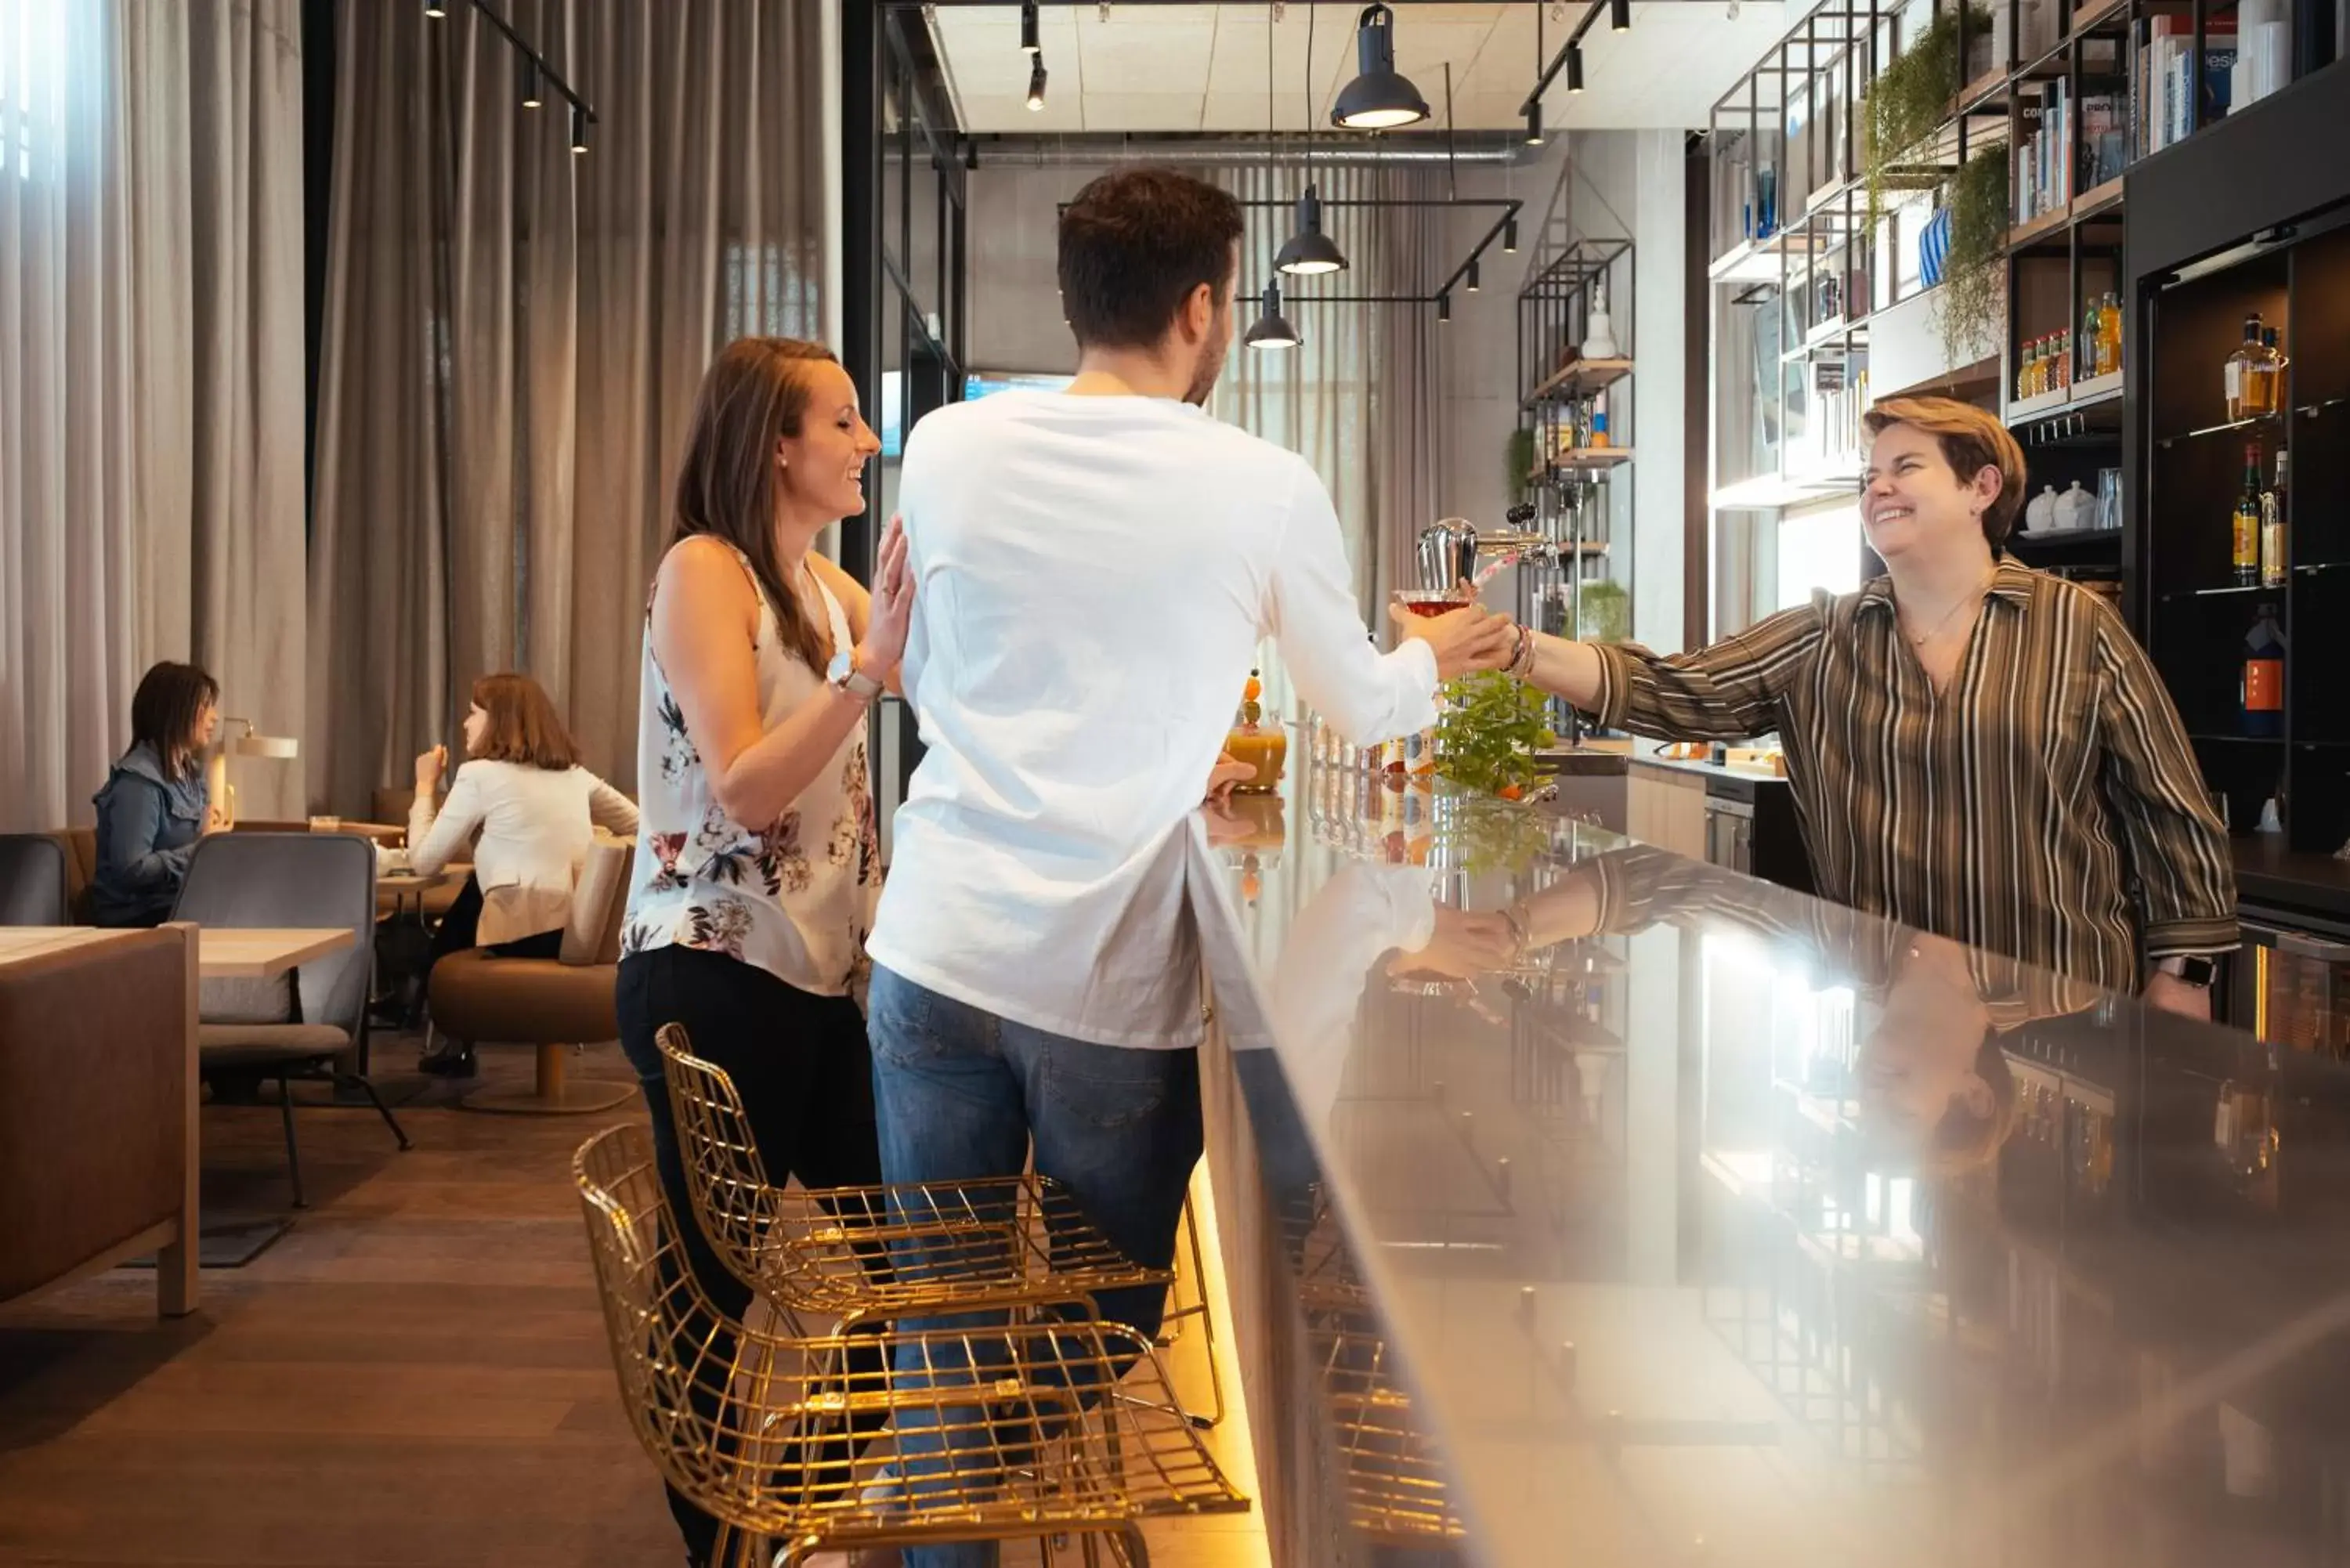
(2237, 373)
(2261, 689)
(2092, 341)
(1598, 427)
(2246, 531)
(2060, 364)
(2264, 389)
(2109, 336)
(2274, 542)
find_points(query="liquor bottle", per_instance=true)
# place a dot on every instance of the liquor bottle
(2109, 337)
(2093, 341)
(2263, 689)
(2262, 381)
(2061, 362)
(2238, 370)
(2272, 530)
(2247, 528)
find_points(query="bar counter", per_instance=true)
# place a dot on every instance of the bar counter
(1583, 1204)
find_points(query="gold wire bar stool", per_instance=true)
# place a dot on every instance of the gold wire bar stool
(863, 1254)
(1398, 1490)
(791, 1442)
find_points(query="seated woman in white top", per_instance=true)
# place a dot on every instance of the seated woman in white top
(536, 810)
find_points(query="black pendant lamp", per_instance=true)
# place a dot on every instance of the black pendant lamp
(1272, 328)
(1378, 99)
(1309, 251)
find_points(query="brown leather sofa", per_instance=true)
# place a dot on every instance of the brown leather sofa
(98, 1112)
(550, 1003)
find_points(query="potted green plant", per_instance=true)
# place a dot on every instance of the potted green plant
(1603, 612)
(1492, 725)
(1521, 458)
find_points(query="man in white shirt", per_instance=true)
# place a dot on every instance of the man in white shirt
(1094, 569)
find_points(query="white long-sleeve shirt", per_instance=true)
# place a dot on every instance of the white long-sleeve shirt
(536, 825)
(1093, 575)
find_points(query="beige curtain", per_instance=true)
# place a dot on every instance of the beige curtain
(151, 380)
(514, 337)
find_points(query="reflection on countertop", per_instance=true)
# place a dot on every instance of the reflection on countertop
(1695, 1221)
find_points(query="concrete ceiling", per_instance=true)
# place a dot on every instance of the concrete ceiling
(1170, 68)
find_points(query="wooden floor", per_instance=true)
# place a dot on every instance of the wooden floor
(416, 1374)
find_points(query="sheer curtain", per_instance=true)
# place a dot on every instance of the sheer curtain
(1354, 398)
(514, 337)
(151, 380)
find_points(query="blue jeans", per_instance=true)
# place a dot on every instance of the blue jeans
(961, 1095)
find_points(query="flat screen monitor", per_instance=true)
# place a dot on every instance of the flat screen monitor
(985, 383)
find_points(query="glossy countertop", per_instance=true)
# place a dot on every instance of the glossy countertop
(1660, 1215)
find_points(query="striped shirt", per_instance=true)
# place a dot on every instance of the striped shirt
(2046, 806)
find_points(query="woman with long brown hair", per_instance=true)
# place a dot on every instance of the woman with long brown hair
(157, 801)
(536, 809)
(759, 858)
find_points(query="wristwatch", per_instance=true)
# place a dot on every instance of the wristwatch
(2197, 971)
(843, 675)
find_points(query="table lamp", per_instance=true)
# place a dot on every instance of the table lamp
(249, 744)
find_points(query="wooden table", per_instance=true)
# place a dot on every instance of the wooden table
(221, 954)
(261, 953)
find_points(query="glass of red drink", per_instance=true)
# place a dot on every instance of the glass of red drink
(1431, 601)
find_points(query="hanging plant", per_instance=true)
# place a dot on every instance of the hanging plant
(1974, 275)
(1520, 457)
(1908, 103)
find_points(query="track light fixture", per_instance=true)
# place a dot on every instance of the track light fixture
(1028, 39)
(1036, 85)
(1509, 236)
(1272, 329)
(1378, 99)
(578, 128)
(1620, 16)
(1575, 68)
(1309, 251)
(1444, 308)
(1471, 281)
(435, 9)
(1533, 125)
(533, 95)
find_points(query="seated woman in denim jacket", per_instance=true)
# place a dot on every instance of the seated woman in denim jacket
(156, 803)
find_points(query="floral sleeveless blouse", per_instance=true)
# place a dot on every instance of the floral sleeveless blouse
(793, 897)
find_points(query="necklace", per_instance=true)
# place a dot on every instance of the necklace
(1920, 638)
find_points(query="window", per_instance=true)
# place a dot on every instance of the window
(35, 47)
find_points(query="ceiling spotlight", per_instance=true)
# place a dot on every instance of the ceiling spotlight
(533, 95)
(1620, 16)
(578, 128)
(1443, 307)
(1509, 236)
(1575, 68)
(435, 9)
(1309, 251)
(1533, 125)
(1028, 27)
(1378, 99)
(1472, 274)
(1037, 86)
(1272, 329)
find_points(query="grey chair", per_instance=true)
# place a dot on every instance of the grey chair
(268, 1029)
(32, 881)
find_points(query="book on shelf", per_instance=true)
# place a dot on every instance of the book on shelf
(2168, 81)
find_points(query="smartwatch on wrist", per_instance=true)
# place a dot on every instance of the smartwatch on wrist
(2195, 970)
(843, 675)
